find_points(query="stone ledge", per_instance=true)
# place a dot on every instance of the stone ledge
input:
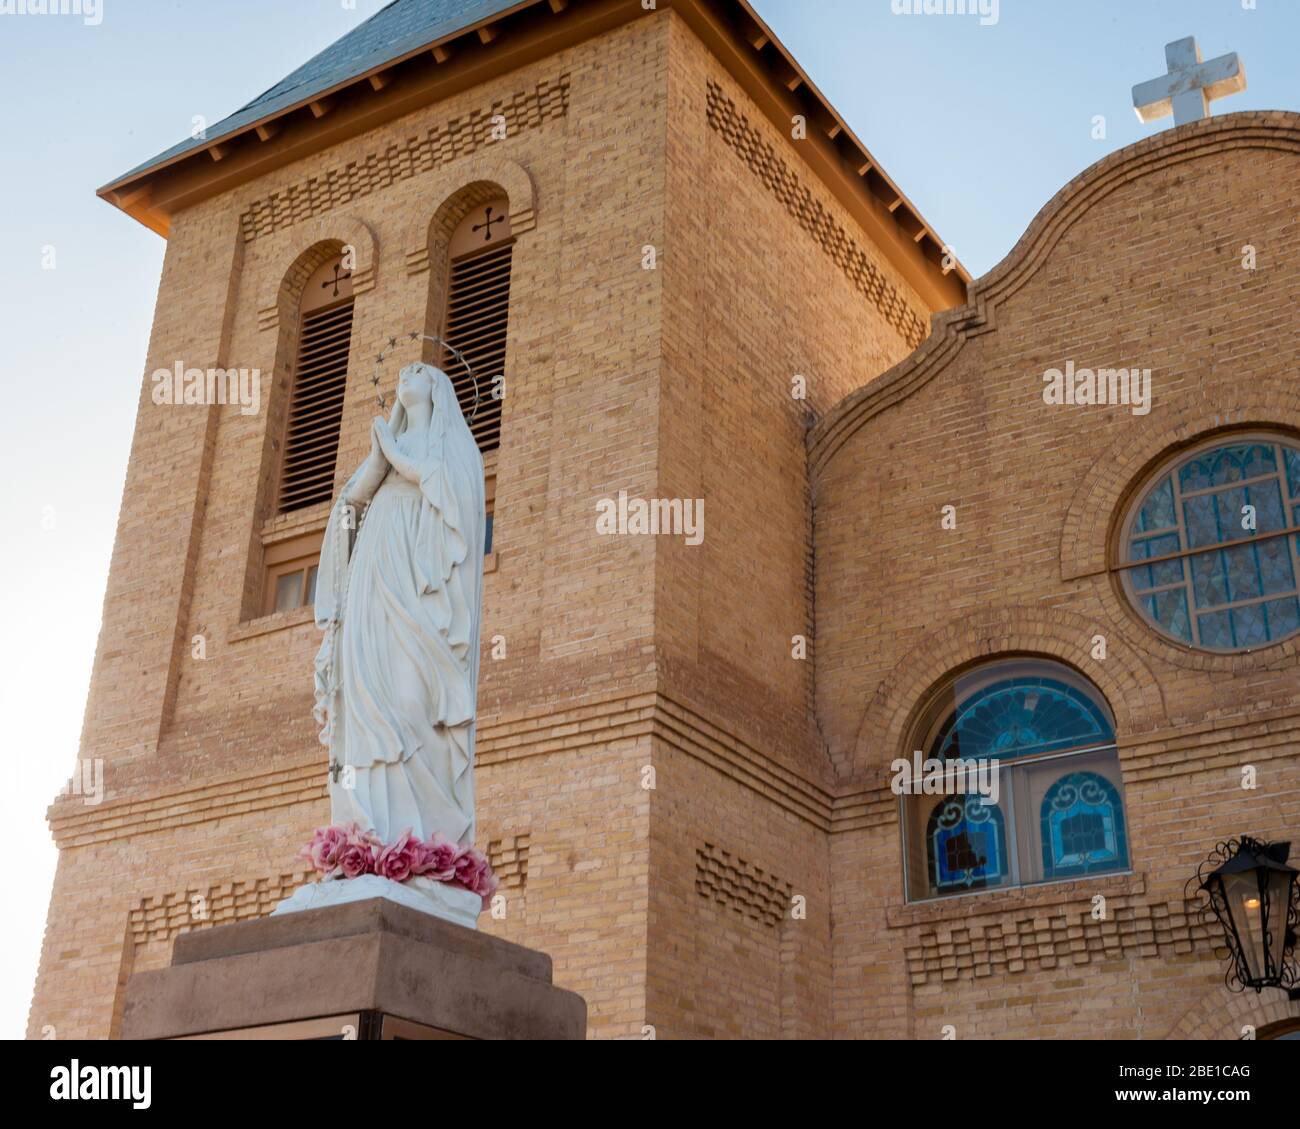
(1043, 897)
(366, 956)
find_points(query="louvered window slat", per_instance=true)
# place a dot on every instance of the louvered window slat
(500, 272)
(313, 428)
(485, 264)
(326, 345)
(315, 406)
(478, 306)
(316, 411)
(486, 298)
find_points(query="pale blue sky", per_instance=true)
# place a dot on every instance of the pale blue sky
(979, 125)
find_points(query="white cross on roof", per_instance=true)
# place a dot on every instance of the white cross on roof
(1190, 86)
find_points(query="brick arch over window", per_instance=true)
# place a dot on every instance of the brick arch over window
(277, 553)
(1127, 683)
(469, 293)
(1104, 493)
(1222, 1014)
(321, 239)
(461, 189)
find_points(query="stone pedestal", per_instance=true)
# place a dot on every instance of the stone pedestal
(351, 967)
(451, 903)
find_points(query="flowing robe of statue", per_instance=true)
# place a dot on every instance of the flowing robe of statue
(398, 596)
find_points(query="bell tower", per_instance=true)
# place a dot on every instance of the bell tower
(664, 256)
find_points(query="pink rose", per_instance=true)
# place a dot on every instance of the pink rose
(348, 852)
(326, 848)
(360, 853)
(356, 861)
(436, 859)
(475, 873)
(396, 862)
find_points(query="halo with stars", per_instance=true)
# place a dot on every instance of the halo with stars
(393, 342)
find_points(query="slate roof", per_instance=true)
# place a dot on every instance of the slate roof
(400, 28)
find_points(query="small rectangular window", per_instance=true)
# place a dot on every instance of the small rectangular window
(490, 498)
(291, 570)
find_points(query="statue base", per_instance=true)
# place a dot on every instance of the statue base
(451, 903)
(373, 969)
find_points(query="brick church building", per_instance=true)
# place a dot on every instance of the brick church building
(700, 286)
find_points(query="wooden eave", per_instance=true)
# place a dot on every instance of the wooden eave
(526, 33)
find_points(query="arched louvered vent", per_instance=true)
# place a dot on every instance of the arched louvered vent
(478, 309)
(316, 411)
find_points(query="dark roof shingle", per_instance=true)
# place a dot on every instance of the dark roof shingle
(402, 27)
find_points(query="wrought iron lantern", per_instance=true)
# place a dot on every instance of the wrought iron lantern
(1247, 886)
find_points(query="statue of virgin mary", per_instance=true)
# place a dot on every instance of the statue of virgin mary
(398, 597)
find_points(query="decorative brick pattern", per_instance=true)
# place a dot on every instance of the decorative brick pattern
(741, 886)
(813, 217)
(1048, 939)
(162, 917)
(509, 859)
(337, 187)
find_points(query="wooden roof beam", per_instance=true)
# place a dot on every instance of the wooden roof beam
(752, 33)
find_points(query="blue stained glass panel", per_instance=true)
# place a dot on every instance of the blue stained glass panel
(1249, 626)
(1215, 630)
(1082, 827)
(1201, 516)
(1292, 471)
(1231, 514)
(1157, 576)
(1283, 617)
(1226, 465)
(1243, 573)
(966, 843)
(1209, 580)
(1157, 511)
(1275, 570)
(1270, 513)
(1169, 609)
(1022, 716)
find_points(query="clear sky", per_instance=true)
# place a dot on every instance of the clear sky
(979, 125)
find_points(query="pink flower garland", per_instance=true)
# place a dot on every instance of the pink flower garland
(349, 852)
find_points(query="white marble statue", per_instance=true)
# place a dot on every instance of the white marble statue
(398, 596)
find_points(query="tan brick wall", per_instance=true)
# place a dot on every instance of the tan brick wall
(1137, 263)
(752, 299)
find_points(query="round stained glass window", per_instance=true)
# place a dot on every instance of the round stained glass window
(1210, 555)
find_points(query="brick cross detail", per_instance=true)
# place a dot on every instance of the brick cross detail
(487, 224)
(334, 282)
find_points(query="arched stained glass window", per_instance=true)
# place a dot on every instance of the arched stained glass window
(1082, 826)
(1047, 801)
(1021, 716)
(1209, 555)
